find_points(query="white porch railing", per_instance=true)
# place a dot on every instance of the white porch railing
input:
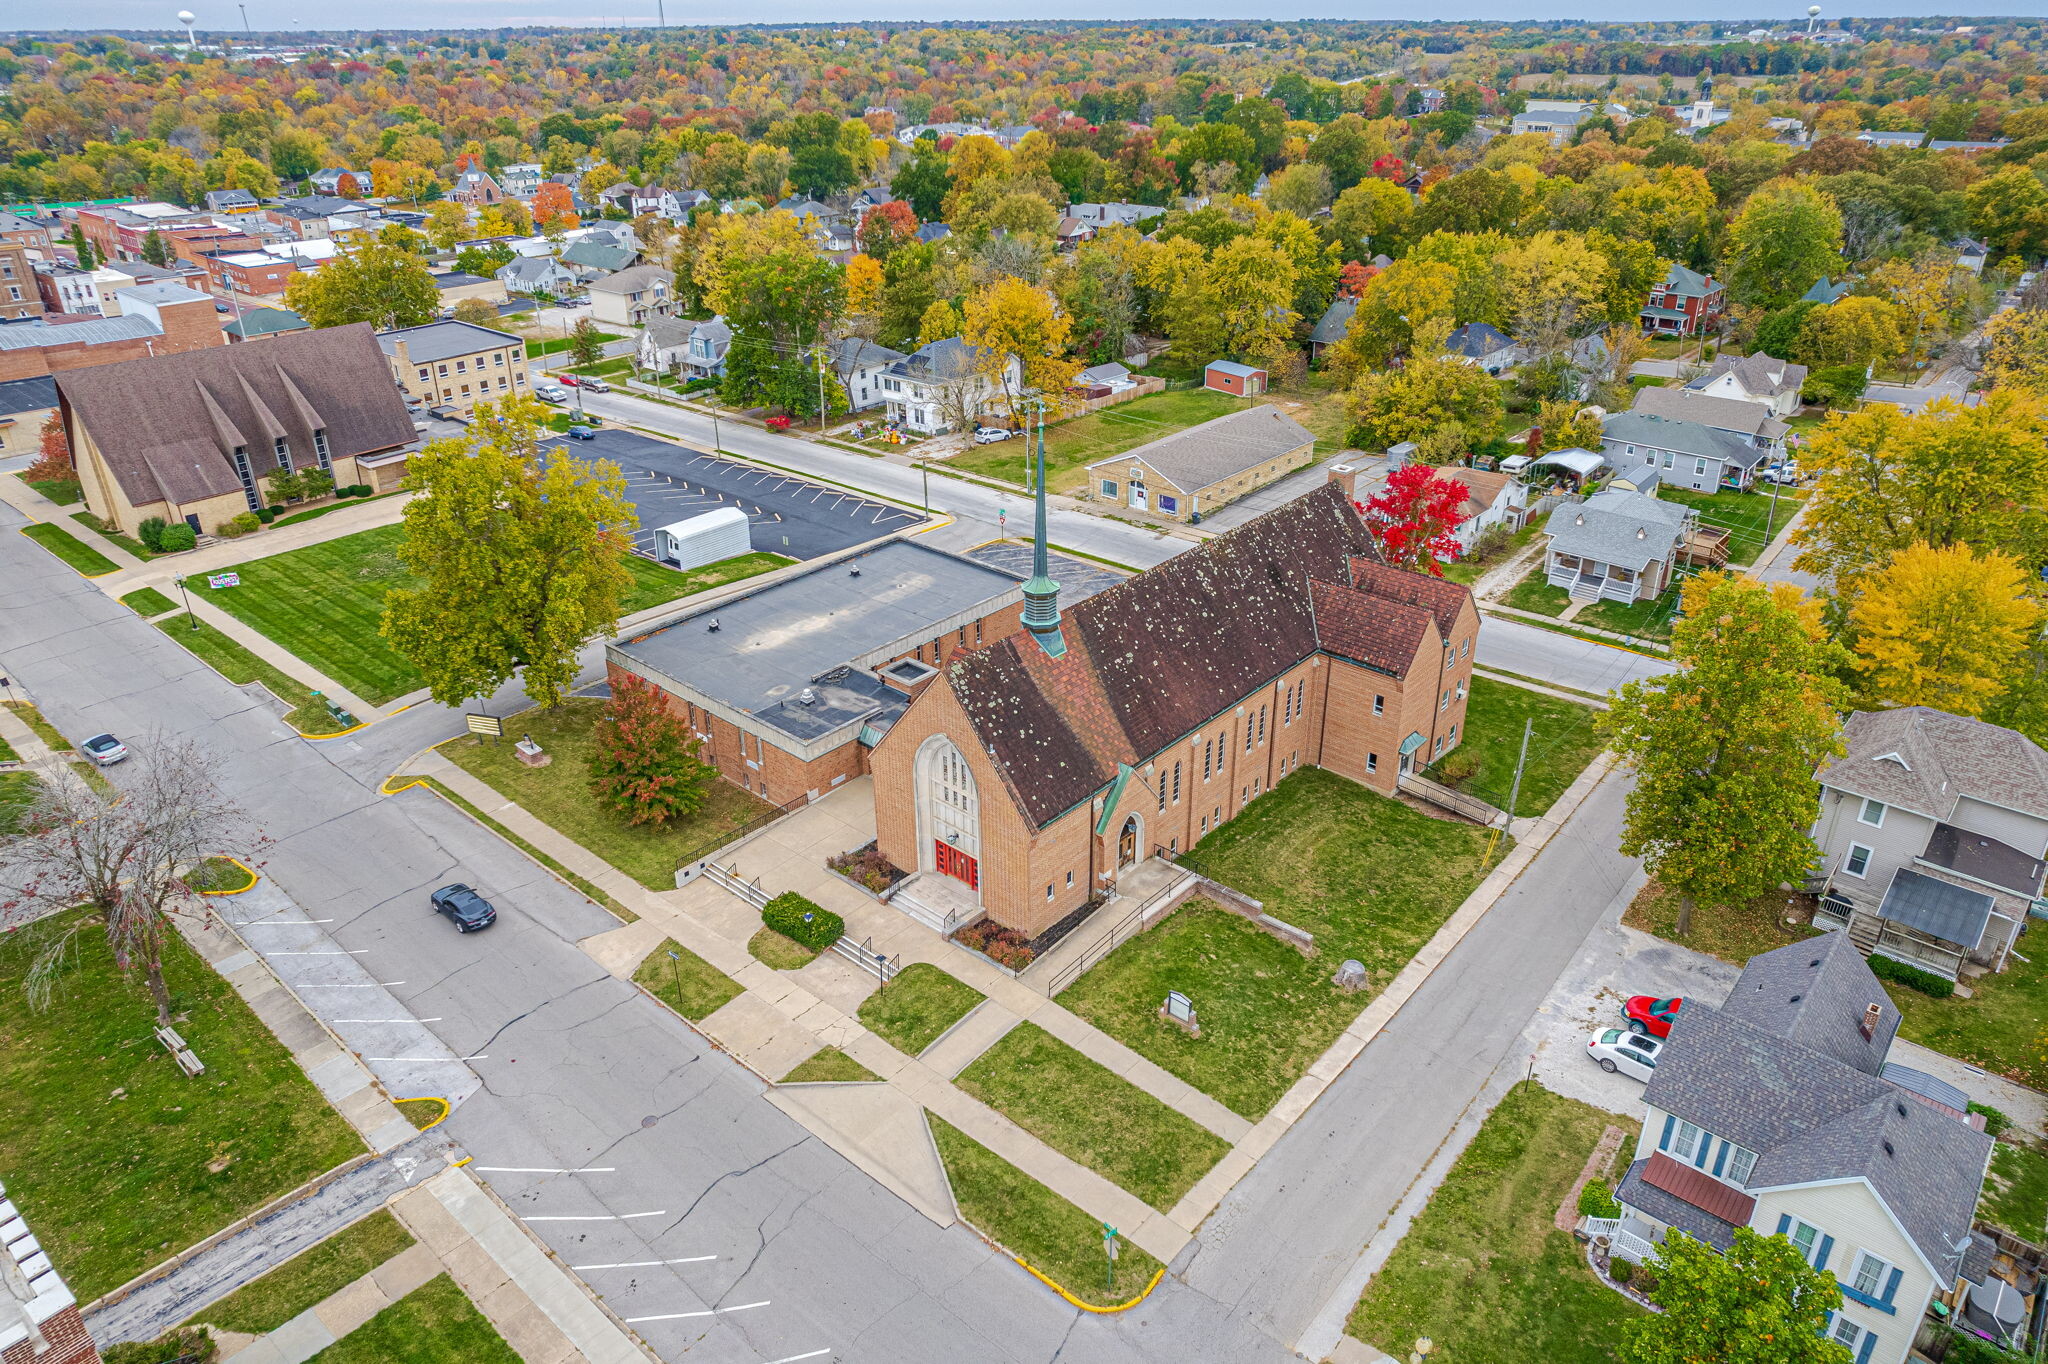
(1621, 1242)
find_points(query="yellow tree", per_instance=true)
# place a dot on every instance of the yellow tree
(1856, 331)
(975, 157)
(447, 224)
(1251, 287)
(1396, 301)
(1943, 627)
(863, 293)
(940, 321)
(1567, 426)
(1550, 281)
(1920, 289)
(2016, 349)
(1009, 321)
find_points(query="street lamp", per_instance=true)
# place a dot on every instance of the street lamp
(188, 603)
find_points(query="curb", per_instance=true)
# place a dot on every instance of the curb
(432, 1099)
(247, 870)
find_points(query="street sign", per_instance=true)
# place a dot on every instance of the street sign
(1179, 1007)
(218, 580)
(486, 724)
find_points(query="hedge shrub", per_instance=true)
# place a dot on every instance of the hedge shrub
(1912, 977)
(1596, 1200)
(1995, 1120)
(151, 533)
(266, 514)
(172, 539)
(238, 525)
(793, 916)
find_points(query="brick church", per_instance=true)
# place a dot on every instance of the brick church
(1032, 772)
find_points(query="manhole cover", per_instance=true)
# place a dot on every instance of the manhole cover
(649, 1120)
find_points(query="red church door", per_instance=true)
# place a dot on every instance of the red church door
(952, 862)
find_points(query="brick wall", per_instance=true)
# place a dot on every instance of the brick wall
(68, 1339)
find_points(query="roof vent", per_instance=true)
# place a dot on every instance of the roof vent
(807, 697)
(1871, 1015)
(855, 573)
(1888, 1149)
(1795, 999)
(1641, 533)
(1901, 1108)
(1579, 520)
(1815, 962)
(712, 626)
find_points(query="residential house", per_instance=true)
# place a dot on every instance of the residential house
(476, 187)
(1493, 499)
(591, 260)
(1766, 380)
(1903, 140)
(1751, 421)
(1559, 119)
(1227, 376)
(42, 1323)
(1932, 832)
(25, 404)
(630, 297)
(257, 323)
(1484, 345)
(1966, 147)
(1070, 232)
(1781, 1111)
(1686, 303)
(1616, 545)
(1790, 132)
(688, 201)
(521, 181)
(1331, 326)
(1689, 455)
(1824, 292)
(20, 293)
(1207, 466)
(190, 437)
(1430, 99)
(537, 275)
(317, 216)
(686, 349)
(618, 198)
(929, 233)
(942, 131)
(455, 364)
(1971, 254)
(328, 180)
(1100, 381)
(1099, 216)
(232, 201)
(860, 364)
(654, 199)
(942, 387)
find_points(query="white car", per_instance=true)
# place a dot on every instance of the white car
(551, 393)
(989, 435)
(104, 749)
(1786, 475)
(1618, 1050)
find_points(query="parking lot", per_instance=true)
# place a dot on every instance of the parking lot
(788, 515)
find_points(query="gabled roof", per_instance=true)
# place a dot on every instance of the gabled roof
(1723, 414)
(1477, 340)
(265, 322)
(1219, 448)
(938, 361)
(1758, 373)
(1927, 760)
(599, 256)
(1682, 437)
(1815, 993)
(626, 281)
(1233, 368)
(1825, 291)
(1483, 485)
(1335, 321)
(667, 333)
(857, 352)
(1689, 283)
(1617, 527)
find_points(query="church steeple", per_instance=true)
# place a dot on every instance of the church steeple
(1042, 594)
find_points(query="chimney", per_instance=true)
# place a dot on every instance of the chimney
(1869, 1025)
(1345, 476)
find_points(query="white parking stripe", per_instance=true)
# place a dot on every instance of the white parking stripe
(600, 1217)
(792, 1359)
(385, 1020)
(316, 985)
(646, 1264)
(425, 1058)
(545, 1170)
(710, 1312)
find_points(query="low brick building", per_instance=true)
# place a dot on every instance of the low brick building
(455, 364)
(39, 1317)
(1207, 466)
(152, 320)
(1031, 773)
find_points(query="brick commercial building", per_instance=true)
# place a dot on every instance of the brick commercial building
(1205, 466)
(39, 1318)
(117, 233)
(191, 437)
(1029, 774)
(19, 295)
(455, 364)
(154, 320)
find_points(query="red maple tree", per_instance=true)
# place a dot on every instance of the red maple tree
(1353, 278)
(55, 461)
(348, 187)
(1414, 519)
(643, 764)
(886, 227)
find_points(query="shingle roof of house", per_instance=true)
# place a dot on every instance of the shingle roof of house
(1673, 1211)
(626, 281)
(1108, 372)
(1156, 657)
(599, 256)
(937, 361)
(443, 340)
(1477, 340)
(167, 426)
(857, 352)
(1335, 321)
(1825, 291)
(1927, 760)
(1484, 485)
(1811, 1117)
(1219, 448)
(1761, 374)
(667, 333)
(1723, 414)
(1688, 283)
(529, 268)
(1683, 437)
(1617, 527)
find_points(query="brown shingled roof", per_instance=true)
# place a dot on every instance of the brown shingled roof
(1372, 630)
(168, 424)
(1154, 658)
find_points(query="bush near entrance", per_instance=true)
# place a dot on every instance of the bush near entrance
(805, 921)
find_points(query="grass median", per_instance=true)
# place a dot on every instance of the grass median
(684, 981)
(829, 1065)
(1561, 744)
(73, 551)
(148, 601)
(434, 1324)
(310, 1276)
(913, 1010)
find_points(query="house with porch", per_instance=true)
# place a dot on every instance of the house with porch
(632, 296)
(1932, 834)
(1780, 1110)
(1686, 454)
(1616, 546)
(943, 387)
(1752, 422)
(860, 364)
(1684, 303)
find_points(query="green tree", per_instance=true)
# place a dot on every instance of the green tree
(923, 183)
(296, 153)
(779, 296)
(1724, 749)
(155, 249)
(520, 556)
(643, 762)
(1759, 1303)
(1301, 189)
(447, 224)
(908, 290)
(586, 344)
(1787, 236)
(88, 259)
(382, 285)
(1476, 200)
(1458, 404)
(2009, 211)
(1370, 219)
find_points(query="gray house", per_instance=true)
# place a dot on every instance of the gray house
(859, 363)
(1751, 421)
(1331, 326)
(1932, 834)
(1484, 345)
(1617, 545)
(536, 275)
(1780, 1111)
(690, 350)
(1689, 455)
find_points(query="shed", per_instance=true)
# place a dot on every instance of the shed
(1228, 376)
(710, 538)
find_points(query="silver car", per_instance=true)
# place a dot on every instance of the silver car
(104, 749)
(551, 393)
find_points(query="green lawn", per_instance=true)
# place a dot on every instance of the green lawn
(1746, 516)
(1467, 571)
(148, 601)
(317, 512)
(1071, 444)
(1534, 593)
(1998, 1027)
(829, 1065)
(1643, 619)
(559, 795)
(309, 1276)
(324, 603)
(117, 1158)
(44, 730)
(1483, 1272)
(783, 954)
(1732, 933)
(70, 549)
(2016, 1192)
(912, 1010)
(216, 875)
(231, 660)
(1371, 878)
(687, 983)
(1046, 1231)
(17, 791)
(433, 1324)
(62, 491)
(1092, 1115)
(127, 542)
(554, 345)
(1483, 763)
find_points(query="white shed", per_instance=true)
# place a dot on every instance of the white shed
(708, 539)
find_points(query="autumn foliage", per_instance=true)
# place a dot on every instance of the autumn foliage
(1414, 519)
(55, 459)
(643, 765)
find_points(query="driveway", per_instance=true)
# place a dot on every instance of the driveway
(1372, 473)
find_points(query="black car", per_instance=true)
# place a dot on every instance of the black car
(467, 909)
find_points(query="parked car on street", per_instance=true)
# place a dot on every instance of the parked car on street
(989, 435)
(580, 433)
(466, 909)
(568, 381)
(1784, 475)
(104, 749)
(1625, 1053)
(1650, 1015)
(597, 385)
(549, 393)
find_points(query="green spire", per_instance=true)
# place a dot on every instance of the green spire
(1042, 594)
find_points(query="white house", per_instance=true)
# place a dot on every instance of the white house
(1496, 499)
(1758, 378)
(630, 297)
(536, 275)
(941, 387)
(1780, 1111)
(1617, 545)
(860, 364)
(521, 181)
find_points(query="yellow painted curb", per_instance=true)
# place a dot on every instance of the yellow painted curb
(385, 788)
(317, 738)
(428, 1099)
(1087, 1306)
(247, 870)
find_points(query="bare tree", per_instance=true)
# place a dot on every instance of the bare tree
(122, 859)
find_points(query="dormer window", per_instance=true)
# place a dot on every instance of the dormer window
(1893, 758)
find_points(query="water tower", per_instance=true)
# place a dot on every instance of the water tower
(1812, 17)
(187, 18)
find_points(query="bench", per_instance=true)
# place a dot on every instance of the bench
(180, 1052)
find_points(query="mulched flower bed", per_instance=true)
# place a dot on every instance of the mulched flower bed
(867, 868)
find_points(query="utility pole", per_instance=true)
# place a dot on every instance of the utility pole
(1514, 790)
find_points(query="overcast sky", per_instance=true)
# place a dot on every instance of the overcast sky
(276, 15)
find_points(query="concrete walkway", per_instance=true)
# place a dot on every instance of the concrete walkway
(337, 1314)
